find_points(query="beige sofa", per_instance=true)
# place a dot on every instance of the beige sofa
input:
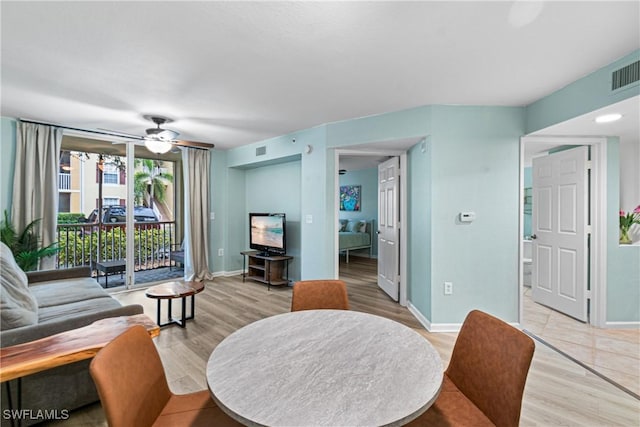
(39, 304)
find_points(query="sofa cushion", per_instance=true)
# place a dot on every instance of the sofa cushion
(78, 308)
(18, 307)
(66, 291)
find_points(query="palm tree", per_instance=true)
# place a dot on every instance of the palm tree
(150, 182)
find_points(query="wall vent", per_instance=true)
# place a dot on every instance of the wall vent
(261, 151)
(625, 76)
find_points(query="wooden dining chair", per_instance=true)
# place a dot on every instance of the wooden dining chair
(319, 294)
(133, 388)
(485, 379)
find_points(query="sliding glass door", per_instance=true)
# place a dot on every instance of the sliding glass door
(117, 212)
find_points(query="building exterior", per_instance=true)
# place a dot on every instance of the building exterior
(78, 189)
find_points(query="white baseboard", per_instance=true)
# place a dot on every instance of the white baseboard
(622, 325)
(227, 273)
(432, 327)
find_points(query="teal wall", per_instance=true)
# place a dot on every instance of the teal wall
(368, 180)
(475, 167)
(236, 213)
(218, 203)
(315, 198)
(383, 127)
(420, 200)
(471, 164)
(623, 261)
(276, 189)
(7, 160)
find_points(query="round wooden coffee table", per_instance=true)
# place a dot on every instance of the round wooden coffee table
(172, 290)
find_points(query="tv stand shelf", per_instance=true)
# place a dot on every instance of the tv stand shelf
(270, 269)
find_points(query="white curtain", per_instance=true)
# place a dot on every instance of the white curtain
(35, 181)
(196, 167)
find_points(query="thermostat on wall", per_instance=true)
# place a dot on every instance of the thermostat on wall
(467, 216)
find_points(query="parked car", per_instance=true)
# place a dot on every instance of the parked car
(117, 213)
(114, 216)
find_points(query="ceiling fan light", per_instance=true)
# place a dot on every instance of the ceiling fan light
(157, 146)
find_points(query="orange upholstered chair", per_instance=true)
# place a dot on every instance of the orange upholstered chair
(133, 388)
(319, 294)
(485, 379)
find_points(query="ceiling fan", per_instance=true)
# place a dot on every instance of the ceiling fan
(160, 140)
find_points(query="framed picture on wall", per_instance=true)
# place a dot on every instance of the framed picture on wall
(350, 197)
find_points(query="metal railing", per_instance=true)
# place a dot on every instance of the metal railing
(64, 181)
(86, 244)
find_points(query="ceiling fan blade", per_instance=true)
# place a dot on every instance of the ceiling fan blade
(118, 133)
(133, 141)
(195, 144)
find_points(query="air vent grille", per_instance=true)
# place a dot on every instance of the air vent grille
(625, 76)
(261, 151)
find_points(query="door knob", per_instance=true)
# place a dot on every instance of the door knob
(533, 237)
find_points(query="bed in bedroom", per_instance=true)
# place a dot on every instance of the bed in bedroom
(355, 234)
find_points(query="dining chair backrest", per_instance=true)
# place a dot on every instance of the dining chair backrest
(489, 365)
(130, 379)
(319, 294)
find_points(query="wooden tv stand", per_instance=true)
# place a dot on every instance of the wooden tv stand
(272, 270)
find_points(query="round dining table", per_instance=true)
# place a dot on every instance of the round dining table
(324, 368)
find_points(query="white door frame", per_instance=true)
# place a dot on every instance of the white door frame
(598, 242)
(403, 211)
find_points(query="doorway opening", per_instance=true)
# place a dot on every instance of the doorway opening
(536, 146)
(359, 169)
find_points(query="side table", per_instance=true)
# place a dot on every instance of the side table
(172, 290)
(108, 267)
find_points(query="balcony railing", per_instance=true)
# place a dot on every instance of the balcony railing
(79, 244)
(64, 181)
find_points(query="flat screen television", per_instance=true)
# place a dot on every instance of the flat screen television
(267, 233)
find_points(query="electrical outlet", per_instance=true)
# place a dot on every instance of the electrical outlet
(220, 252)
(448, 288)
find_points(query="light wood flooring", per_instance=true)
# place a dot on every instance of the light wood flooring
(558, 391)
(612, 353)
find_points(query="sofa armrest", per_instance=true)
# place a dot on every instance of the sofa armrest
(34, 332)
(65, 273)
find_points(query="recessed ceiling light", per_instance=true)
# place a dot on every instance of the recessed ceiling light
(608, 118)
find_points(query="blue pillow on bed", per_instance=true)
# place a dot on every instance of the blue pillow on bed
(356, 226)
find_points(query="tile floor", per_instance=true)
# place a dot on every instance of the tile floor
(613, 353)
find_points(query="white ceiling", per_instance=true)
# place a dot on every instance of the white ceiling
(232, 73)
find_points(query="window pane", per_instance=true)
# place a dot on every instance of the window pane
(110, 174)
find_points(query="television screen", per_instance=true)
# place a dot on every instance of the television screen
(267, 232)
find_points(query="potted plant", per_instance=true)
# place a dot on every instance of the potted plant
(25, 245)
(626, 221)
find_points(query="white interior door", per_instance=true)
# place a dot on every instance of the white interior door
(388, 222)
(559, 226)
